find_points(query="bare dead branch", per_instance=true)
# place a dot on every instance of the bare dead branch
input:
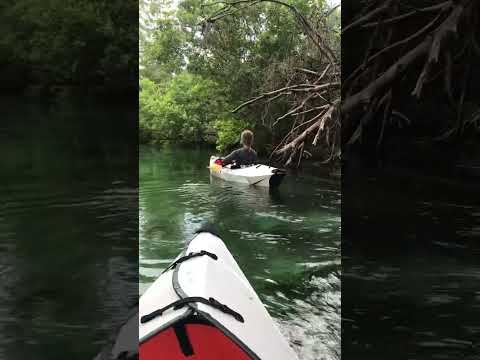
(449, 26)
(312, 93)
(367, 17)
(435, 8)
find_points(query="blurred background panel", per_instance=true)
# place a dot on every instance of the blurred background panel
(410, 209)
(68, 176)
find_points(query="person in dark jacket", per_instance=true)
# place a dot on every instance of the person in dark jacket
(245, 155)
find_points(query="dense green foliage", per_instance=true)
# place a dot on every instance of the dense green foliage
(182, 109)
(57, 43)
(194, 73)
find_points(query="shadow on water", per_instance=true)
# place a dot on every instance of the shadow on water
(287, 241)
(68, 215)
(411, 271)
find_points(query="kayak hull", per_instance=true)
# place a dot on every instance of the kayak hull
(255, 175)
(223, 318)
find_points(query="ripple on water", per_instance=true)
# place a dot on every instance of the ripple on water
(313, 324)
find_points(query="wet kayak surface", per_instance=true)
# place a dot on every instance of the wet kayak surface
(287, 242)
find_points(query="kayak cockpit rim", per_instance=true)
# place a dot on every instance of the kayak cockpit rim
(166, 326)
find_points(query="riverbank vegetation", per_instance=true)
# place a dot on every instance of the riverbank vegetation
(209, 69)
(59, 47)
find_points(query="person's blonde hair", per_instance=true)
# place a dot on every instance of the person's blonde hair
(247, 138)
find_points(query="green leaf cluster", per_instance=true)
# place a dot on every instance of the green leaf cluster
(228, 132)
(183, 110)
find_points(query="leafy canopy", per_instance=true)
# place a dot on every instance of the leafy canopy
(193, 75)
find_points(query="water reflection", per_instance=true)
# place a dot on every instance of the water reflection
(411, 271)
(68, 220)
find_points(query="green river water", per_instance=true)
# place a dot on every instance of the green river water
(68, 227)
(70, 216)
(287, 242)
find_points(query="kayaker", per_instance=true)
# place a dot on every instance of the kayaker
(245, 155)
